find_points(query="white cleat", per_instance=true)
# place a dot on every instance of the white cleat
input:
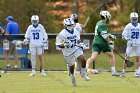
(136, 75)
(43, 74)
(85, 76)
(115, 74)
(73, 80)
(122, 75)
(32, 74)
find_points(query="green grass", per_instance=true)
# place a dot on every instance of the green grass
(58, 82)
(57, 62)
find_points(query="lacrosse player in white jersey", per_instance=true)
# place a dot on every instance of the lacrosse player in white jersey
(37, 37)
(68, 40)
(131, 33)
(79, 27)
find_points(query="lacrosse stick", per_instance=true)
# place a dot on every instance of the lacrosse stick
(127, 62)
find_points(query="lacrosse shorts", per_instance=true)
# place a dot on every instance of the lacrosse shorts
(12, 49)
(100, 47)
(36, 50)
(133, 51)
(70, 60)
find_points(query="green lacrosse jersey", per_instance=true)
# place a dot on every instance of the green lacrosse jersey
(101, 28)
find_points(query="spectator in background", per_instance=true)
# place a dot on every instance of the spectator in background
(1, 29)
(1, 25)
(11, 28)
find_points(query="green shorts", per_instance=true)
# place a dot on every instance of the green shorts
(12, 49)
(100, 47)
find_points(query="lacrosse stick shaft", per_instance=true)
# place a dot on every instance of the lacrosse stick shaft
(119, 54)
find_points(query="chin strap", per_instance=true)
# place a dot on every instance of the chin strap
(35, 25)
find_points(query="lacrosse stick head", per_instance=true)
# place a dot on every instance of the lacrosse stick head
(129, 63)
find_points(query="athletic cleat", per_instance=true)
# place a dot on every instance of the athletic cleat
(8, 67)
(16, 69)
(115, 74)
(43, 74)
(32, 74)
(85, 76)
(136, 75)
(73, 80)
(122, 75)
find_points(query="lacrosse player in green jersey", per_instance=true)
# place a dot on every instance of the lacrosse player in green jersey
(102, 42)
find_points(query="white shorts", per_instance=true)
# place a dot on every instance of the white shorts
(70, 60)
(37, 50)
(133, 51)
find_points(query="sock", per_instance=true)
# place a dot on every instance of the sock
(33, 70)
(139, 70)
(136, 70)
(87, 66)
(113, 69)
(33, 60)
(16, 66)
(123, 70)
(89, 61)
(8, 65)
(83, 70)
(43, 71)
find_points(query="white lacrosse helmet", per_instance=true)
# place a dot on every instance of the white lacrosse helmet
(35, 20)
(106, 15)
(74, 16)
(134, 17)
(68, 23)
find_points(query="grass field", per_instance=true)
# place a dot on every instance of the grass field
(58, 82)
(57, 62)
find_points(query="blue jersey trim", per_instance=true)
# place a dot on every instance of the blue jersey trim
(70, 31)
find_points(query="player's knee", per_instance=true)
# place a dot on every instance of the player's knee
(91, 59)
(70, 64)
(82, 58)
(111, 55)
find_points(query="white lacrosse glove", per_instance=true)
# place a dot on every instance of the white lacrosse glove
(68, 44)
(111, 45)
(125, 38)
(129, 43)
(82, 45)
(112, 36)
(14, 42)
(45, 45)
(25, 41)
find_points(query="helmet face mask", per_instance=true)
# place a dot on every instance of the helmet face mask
(35, 20)
(68, 24)
(134, 17)
(69, 27)
(106, 15)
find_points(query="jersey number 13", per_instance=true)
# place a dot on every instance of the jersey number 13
(35, 36)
